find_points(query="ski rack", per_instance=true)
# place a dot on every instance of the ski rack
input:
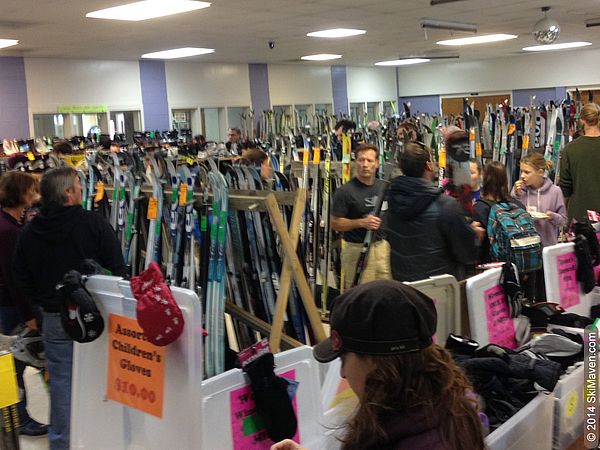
(335, 170)
(239, 199)
(270, 201)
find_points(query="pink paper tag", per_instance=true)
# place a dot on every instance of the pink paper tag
(568, 287)
(246, 428)
(501, 329)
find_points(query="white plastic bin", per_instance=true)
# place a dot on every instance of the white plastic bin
(445, 292)
(529, 429)
(568, 409)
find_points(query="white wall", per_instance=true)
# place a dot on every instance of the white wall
(190, 85)
(371, 84)
(60, 82)
(299, 85)
(552, 69)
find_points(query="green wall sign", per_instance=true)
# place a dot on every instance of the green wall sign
(83, 109)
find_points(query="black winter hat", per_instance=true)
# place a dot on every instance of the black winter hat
(382, 317)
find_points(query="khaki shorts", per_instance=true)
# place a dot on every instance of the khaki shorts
(377, 266)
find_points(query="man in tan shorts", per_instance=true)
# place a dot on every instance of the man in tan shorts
(352, 214)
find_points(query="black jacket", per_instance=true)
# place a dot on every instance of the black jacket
(56, 241)
(427, 231)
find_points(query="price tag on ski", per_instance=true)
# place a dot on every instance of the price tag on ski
(152, 209)
(136, 368)
(30, 156)
(442, 158)
(99, 192)
(182, 194)
(316, 155)
(526, 142)
(478, 150)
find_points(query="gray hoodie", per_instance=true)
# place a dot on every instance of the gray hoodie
(547, 198)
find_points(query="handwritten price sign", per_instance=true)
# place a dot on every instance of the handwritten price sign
(501, 328)
(136, 368)
(568, 287)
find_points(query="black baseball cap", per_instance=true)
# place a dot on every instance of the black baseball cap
(382, 317)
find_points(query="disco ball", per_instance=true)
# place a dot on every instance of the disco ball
(546, 31)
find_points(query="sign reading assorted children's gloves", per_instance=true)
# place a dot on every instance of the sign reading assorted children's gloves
(136, 368)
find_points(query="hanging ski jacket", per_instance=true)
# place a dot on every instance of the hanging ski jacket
(580, 176)
(547, 198)
(427, 231)
(57, 240)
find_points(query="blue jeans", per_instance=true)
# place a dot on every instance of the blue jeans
(59, 354)
(9, 320)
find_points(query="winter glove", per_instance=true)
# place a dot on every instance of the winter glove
(273, 403)
(585, 268)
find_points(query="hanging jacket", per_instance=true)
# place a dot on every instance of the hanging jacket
(427, 231)
(547, 198)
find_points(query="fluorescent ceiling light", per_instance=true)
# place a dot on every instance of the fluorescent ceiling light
(178, 53)
(478, 39)
(321, 57)
(562, 46)
(147, 9)
(402, 62)
(336, 33)
(8, 42)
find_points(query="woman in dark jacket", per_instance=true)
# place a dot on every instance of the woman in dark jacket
(18, 192)
(411, 393)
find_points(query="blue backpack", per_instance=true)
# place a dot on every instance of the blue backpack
(513, 237)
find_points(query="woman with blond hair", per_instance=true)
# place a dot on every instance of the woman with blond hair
(543, 200)
(580, 167)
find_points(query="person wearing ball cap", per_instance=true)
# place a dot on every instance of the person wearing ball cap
(411, 393)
